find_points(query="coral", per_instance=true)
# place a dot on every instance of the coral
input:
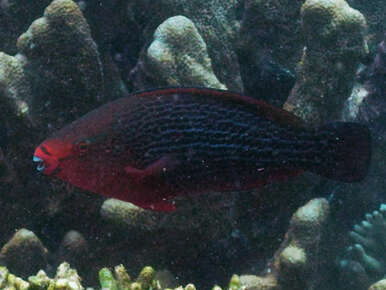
(178, 56)
(24, 253)
(216, 21)
(58, 53)
(294, 263)
(57, 67)
(267, 72)
(267, 23)
(15, 87)
(367, 102)
(74, 249)
(335, 44)
(65, 64)
(10, 281)
(135, 224)
(40, 280)
(7, 173)
(125, 215)
(70, 67)
(121, 280)
(366, 256)
(380, 285)
(68, 279)
(15, 17)
(60, 42)
(65, 278)
(375, 18)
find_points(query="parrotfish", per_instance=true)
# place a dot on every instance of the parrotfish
(152, 146)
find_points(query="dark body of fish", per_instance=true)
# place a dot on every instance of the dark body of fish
(175, 141)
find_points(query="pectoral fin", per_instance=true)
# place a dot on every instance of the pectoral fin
(163, 205)
(154, 169)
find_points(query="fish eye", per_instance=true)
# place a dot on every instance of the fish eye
(83, 146)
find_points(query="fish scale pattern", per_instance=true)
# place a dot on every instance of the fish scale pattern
(226, 139)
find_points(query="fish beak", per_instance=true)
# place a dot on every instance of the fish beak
(41, 166)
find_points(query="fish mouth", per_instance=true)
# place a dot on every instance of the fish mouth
(47, 167)
(40, 163)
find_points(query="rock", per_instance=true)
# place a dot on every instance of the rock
(74, 250)
(24, 253)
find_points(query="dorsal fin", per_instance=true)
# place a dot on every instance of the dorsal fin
(263, 109)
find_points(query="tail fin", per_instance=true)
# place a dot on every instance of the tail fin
(349, 151)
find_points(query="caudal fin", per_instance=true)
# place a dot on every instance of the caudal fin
(348, 151)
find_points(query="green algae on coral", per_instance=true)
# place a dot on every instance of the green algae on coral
(146, 277)
(9, 281)
(120, 280)
(123, 278)
(235, 283)
(39, 281)
(107, 279)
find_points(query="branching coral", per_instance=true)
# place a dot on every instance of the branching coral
(297, 258)
(60, 73)
(58, 53)
(215, 21)
(178, 56)
(335, 44)
(63, 58)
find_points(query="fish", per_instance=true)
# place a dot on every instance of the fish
(152, 146)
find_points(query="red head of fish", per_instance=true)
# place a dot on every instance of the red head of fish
(88, 155)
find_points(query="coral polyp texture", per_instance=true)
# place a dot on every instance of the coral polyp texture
(178, 56)
(67, 278)
(61, 54)
(334, 45)
(295, 262)
(292, 267)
